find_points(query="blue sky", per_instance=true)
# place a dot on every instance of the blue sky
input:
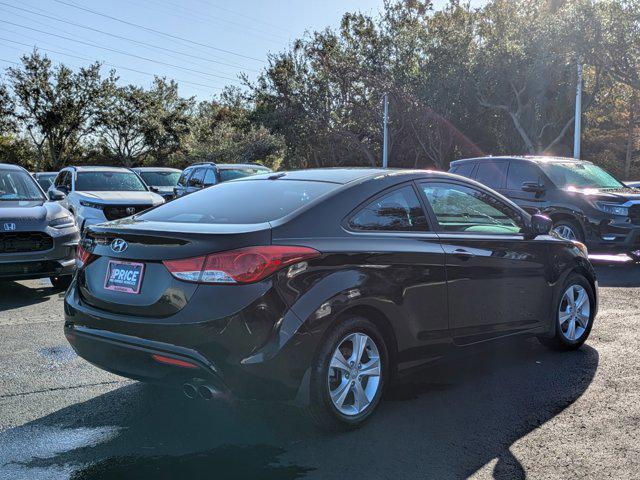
(203, 44)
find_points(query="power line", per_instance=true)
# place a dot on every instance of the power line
(263, 33)
(121, 52)
(158, 32)
(124, 38)
(234, 12)
(105, 63)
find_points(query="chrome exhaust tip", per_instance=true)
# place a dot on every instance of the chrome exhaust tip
(189, 390)
(207, 392)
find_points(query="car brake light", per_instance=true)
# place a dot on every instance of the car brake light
(83, 258)
(244, 265)
(173, 361)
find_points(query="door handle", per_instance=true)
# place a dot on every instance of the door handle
(462, 254)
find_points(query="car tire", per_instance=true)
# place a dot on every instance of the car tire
(330, 407)
(565, 320)
(570, 228)
(61, 283)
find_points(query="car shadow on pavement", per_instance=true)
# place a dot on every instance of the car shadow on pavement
(16, 295)
(447, 421)
(617, 275)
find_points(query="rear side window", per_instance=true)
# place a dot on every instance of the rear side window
(209, 177)
(227, 174)
(464, 169)
(520, 172)
(492, 174)
(241, 202)
(398, 211)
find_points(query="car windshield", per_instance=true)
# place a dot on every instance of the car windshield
(109, 182)
(579, 175)
(233, 173)
(160, 178)
(45, 180)
(242, 202)
(18, 185)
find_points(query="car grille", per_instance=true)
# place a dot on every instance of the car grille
(27, 268)
(634, 214)
(22, 242)
(121, 211)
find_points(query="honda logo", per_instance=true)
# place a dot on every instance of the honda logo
(9, 227)
(131, 210)
(118, 245)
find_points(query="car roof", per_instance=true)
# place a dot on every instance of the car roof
(529, 158)
(10, 166)
(100, 169)
(224, 166)
(46, 173)
(155, 169)
(347, 175)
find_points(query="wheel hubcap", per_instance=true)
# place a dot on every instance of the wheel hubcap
(354, 374)
(574, 312)
(565, 232)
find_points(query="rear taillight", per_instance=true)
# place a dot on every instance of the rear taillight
(83, 258)
(245, 265)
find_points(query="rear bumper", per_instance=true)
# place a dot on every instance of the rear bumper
(242, 355)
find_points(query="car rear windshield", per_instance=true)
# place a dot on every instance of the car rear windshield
(241, 202)
(161, 179)
(18, 185)
(109, 182)
(227, 174)
(579, 175)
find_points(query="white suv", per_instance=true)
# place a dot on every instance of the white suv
(99, 194)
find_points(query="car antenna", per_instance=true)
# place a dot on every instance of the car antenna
(276, 176)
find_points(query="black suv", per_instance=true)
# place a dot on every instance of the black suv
(201, 175)
(585, 202)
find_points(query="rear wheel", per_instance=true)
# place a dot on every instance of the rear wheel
(574, 315)
(568, 229)
(349, 375)
(61, 283)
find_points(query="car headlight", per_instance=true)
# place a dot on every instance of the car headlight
(612, 208)
(91, 205)
(63, 222)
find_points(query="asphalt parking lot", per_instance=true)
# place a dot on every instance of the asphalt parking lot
(519, 411)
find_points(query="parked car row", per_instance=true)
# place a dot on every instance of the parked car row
(584, 201)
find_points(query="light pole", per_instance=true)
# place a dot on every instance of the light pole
(385, 135)
(578, 114)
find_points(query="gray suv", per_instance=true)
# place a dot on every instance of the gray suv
(38, 238)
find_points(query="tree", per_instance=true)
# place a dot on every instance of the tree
(122, 124)
(7, 106)
(56, 106)
(167, 120)
(525, 66)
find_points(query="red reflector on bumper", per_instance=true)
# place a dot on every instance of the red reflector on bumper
(173, 361)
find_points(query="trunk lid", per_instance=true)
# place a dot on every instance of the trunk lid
(147, 245)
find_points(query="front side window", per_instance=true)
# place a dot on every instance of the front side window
(398, 211)
(109, 182)
(16, 185)
(466, 210)
(521, 172)
(568, 175)
(182, 181)
(197, 179)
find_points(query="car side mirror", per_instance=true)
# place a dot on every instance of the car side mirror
(56, 195)
(540, 225)
(154, 189)
(533, 187)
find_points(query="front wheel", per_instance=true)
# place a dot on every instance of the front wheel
(349, 375)
(568, 229)
(574, 315)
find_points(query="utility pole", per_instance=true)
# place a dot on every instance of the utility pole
(385, 136)
(578, 114)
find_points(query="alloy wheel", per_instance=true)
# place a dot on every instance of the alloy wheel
(354, 374)
(565, 231)
(574, 312)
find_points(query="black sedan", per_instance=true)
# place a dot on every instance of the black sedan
(323, 287)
